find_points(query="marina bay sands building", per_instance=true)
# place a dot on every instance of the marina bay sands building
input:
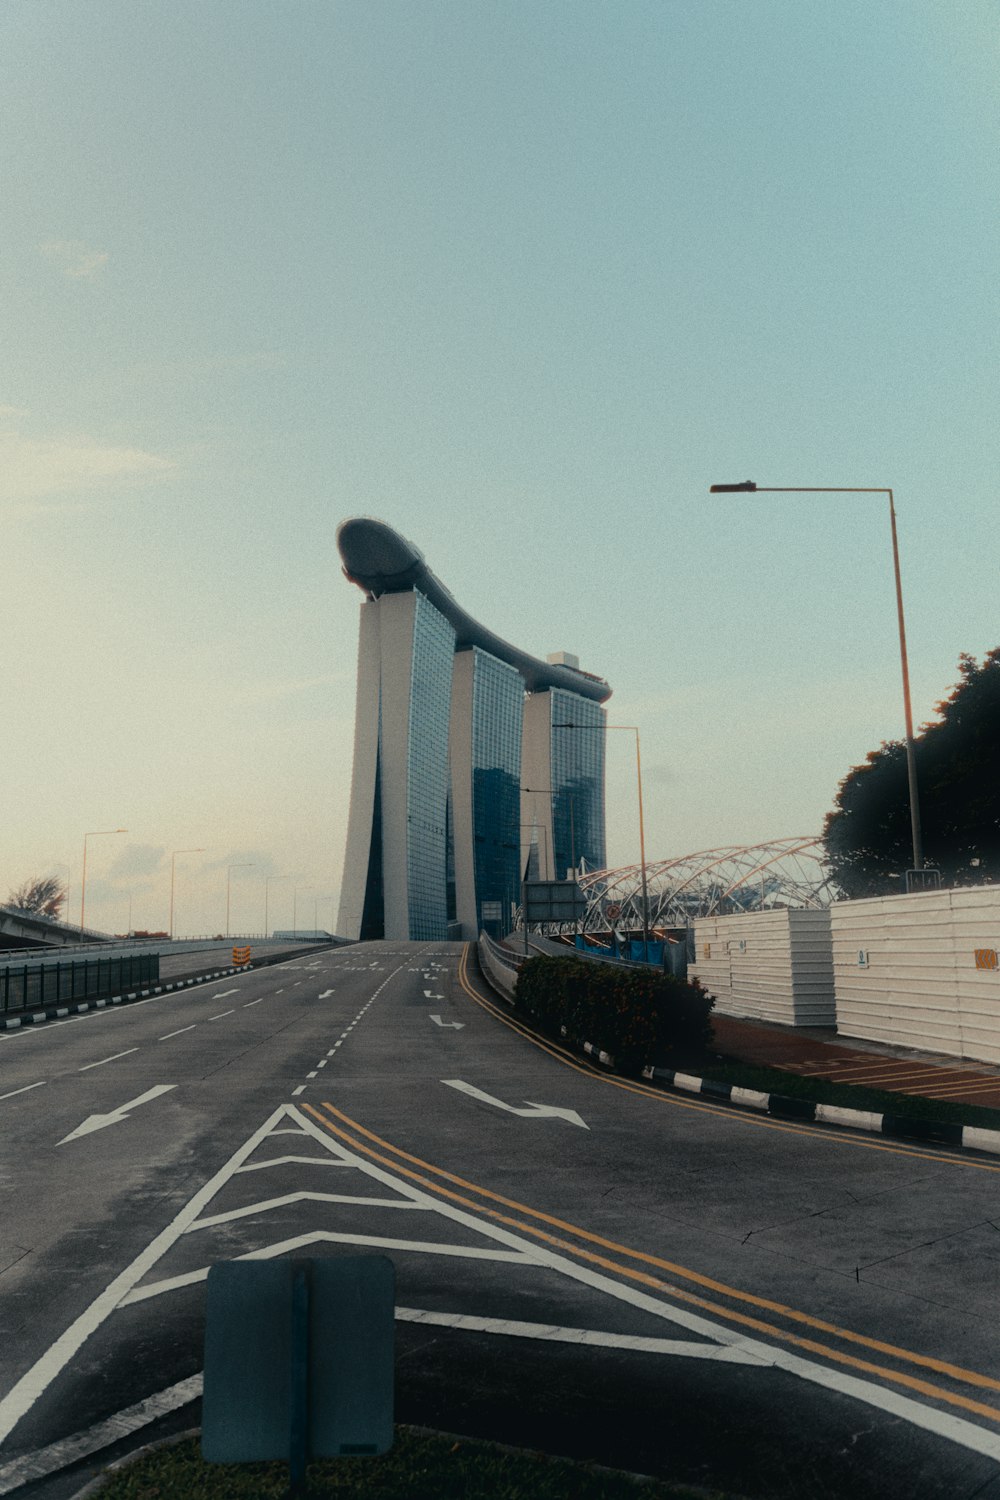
(472, 759)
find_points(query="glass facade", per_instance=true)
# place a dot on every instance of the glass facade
(497, 715)
(577, 781)
(427, 772)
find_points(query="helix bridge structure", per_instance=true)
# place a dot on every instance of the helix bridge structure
(782, 873)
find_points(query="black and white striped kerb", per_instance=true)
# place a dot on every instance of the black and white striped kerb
(33, 1018)
(899, 1127)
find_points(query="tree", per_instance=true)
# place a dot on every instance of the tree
(42, 894)
(867, 835)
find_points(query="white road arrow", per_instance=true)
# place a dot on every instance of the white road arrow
(456, 1024)
(428, 995)
(98, 1122)
(326, 994)
(531, 1111)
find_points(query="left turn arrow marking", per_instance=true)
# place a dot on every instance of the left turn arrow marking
(115, 1117)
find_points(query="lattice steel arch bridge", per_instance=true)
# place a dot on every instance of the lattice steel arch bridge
(788, 872)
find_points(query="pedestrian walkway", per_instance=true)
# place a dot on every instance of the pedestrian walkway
(816, 1052)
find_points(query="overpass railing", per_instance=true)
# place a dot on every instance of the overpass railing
(29, 985)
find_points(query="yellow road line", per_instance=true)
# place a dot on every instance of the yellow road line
(700, 1105)
(954, 1372)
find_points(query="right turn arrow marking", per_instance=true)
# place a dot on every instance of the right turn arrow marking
(532, 1111)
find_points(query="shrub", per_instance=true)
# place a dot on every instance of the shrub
(639, 1016)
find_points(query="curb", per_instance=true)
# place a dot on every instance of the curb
(100, 1481)
(806, 1111)
(53, 1013)
(897, 1127)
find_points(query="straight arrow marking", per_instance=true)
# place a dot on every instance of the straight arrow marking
(326, 994)
(115, 1116)
(457, 1025)
(532, 1111)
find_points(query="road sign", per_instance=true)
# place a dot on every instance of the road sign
(241, 956)
(553, 901)
(298, 1360)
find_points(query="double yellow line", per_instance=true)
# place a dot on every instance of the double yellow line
(595, 1250)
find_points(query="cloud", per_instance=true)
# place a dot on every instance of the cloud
(73, 258)
(274, 689)
(34, 468)
(137, 859)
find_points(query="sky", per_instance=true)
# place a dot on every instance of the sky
(522, 278)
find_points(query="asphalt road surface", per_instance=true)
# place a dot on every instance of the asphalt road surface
(584, 1264)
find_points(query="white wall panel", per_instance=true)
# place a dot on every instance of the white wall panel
(768, 966)
(919, 985)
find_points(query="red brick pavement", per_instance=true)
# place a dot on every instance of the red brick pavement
(815, 1055)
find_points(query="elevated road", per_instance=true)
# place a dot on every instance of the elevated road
(583, 1264)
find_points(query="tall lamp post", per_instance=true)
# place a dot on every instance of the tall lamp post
(229, 882)
(749, 487)
(534, 829)
(316, 901)
(173, 859)
(96, 833)
(267, 890)
(295, 908)
(633, 729)
(551, 792)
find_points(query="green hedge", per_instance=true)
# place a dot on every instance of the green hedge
(637, 1015)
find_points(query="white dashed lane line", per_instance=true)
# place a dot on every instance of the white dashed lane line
(178, 1033)
(255, 1002)
(27, 1088)
(221, 1014)
(107, 1059)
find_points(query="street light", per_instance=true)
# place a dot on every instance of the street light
(316, 901)
(552, 792)
(96, 833)
(229, 880)
(267, 887)
(295, 909)
(633, 729)
(173, 858)
(748, 487)
(534, 828)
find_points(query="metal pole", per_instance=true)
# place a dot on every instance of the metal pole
(642, 855)
(911, 751)
(83, 883)
(748, 486)
(173, 862)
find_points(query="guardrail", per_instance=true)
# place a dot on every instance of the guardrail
(500, 964)
(27, 986)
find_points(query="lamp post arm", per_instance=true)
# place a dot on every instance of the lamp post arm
(749, 486)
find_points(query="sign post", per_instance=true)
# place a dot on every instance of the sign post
(299, 1359)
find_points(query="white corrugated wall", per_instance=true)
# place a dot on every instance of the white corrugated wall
(768, 966)
(905, 970)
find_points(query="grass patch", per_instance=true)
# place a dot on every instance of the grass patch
(419, 1466)
(847, 1095)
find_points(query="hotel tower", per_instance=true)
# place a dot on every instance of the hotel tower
(473, 761)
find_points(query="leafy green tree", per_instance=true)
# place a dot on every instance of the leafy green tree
(42, 894)
(867, 835)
